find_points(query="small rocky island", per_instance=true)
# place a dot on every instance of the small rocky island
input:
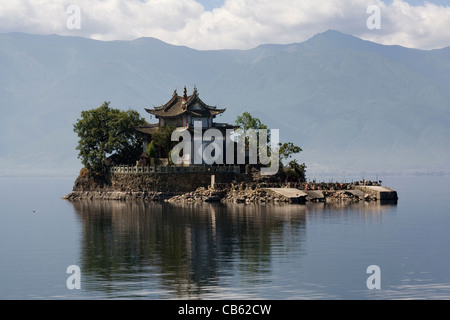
(141, 165)
(214, 185)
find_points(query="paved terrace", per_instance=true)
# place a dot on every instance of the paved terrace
(291, 193)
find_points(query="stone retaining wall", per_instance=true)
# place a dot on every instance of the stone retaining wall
(195, 186)
(151, 183)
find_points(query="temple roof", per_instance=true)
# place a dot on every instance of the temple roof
(148, 128)
(179, 105)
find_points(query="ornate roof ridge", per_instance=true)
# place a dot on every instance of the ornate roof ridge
(178, 105)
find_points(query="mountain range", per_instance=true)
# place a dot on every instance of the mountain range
(352, 105)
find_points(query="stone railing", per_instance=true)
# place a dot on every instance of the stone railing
(173, 169)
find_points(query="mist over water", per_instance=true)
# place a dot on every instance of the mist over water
(144, 250)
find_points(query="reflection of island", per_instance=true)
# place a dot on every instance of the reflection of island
(363, 212)
(184, 249)
(357, 207)
(189, 247)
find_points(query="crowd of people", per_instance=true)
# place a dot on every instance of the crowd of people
(336, 185)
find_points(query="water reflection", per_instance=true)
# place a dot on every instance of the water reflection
(187, 247)
(362, 211)
(170, 250)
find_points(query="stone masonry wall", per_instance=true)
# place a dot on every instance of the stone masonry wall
(175, 183)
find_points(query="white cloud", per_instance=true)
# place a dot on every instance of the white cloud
(237, 24)
(424, 27)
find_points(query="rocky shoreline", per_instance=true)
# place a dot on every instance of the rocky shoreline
(95, 186)
(241, 193)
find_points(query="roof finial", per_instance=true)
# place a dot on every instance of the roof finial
(175, 92)
(185, 93)
(195, 89)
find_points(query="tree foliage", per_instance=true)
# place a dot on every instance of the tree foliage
(105, 131)
(246, 121)
(286, 150)
(151, 149)
(162, 138)
(296, 171)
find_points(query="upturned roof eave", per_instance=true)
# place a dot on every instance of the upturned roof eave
(180, 105)
(163, 114)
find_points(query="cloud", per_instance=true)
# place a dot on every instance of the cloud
(424, 27)
(237, 24)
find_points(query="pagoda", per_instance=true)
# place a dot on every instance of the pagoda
(181, 112)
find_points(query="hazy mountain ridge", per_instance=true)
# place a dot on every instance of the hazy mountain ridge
(350, 104)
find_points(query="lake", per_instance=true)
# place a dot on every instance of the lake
(143, 250)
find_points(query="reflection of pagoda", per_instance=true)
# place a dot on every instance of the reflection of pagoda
(181, 112)
(185, 248)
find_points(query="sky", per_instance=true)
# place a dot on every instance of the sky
(233, 24)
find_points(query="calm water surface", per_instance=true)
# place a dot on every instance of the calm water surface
(138, 250)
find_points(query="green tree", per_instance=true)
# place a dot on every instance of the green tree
(162, 138)
(246, 121)
(105, 131)
(298, 170)
(287, 150)
(151, 149)
(295, 171)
